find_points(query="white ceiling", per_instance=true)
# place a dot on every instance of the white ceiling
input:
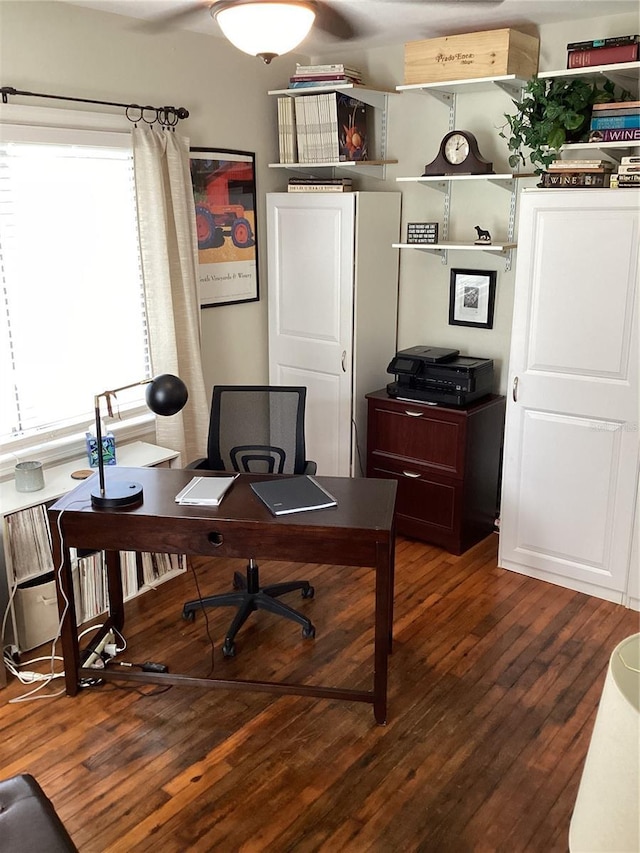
(390, 22)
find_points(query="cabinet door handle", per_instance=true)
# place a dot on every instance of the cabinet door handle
(344, 361)
(514, 392)
(413, 414)
(412, 474)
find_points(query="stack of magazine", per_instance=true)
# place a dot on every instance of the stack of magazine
(328, 127)
(205, 491)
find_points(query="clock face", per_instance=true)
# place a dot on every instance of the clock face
(456, 149)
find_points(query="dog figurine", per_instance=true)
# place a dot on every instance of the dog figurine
(483, 236)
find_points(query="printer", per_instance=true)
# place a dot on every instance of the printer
(439, 376)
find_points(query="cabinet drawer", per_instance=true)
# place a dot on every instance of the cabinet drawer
(423, 499)
(416, 434)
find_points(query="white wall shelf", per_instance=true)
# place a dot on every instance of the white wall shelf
(447, 93)
(510, 83)
(624, 74)
(440, 182)
(502, 249)
(376, 98)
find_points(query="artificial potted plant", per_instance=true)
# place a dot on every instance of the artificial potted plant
(551, 112)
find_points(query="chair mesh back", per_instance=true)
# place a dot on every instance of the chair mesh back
(258, 429)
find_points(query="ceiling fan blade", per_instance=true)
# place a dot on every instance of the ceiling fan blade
(176, 18)
(334, 23)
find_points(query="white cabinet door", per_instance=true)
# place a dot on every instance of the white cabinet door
(310, 282)
(571, 442)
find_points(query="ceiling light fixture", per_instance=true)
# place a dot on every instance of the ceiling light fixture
(265, 28)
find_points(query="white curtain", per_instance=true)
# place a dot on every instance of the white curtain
(169, 264)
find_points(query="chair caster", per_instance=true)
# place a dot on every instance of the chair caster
(229, 649)
(189, 615)
(309, 633)
(308, 593)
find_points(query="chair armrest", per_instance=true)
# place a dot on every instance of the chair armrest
(197, 463)
(310, 467)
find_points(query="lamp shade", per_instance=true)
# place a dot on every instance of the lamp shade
(263, 28)
(166, 395)
(606, 816)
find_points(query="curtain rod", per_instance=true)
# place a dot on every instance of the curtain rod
(167, 116)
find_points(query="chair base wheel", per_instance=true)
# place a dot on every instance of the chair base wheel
(308, 593)
(309, 633)
(229, 649)
(189, 615)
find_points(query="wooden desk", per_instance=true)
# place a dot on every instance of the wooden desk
(358, 532)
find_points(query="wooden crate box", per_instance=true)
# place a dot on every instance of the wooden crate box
(493, 53)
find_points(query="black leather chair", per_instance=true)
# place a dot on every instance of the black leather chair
(28, 820)
(258, 429)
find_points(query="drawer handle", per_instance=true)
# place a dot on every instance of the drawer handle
(410, 474)
(215, 539)
(514, 391)
(413, 414)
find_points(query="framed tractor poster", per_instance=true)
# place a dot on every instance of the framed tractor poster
(224, 189)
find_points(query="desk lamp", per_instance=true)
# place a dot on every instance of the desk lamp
(166, 395)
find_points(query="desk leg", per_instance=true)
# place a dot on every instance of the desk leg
(114, 585)
(67, 611)
(383, 629)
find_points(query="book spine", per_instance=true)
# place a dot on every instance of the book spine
(319, 78)
(614, 41)
(616, 105)
(629, 168)
(574, 179)
(327, 68)
(581, 170)
(317, 188)
(602, 56)
(632, 111)
(610, 122)
(572, 165)
(328, 181)
(625, 181)
(317, 84)
(631, 159)
(615, 135)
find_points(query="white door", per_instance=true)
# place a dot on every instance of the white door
(571, 443)
(311, 267)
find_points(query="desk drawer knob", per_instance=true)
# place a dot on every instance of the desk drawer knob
(215, 539)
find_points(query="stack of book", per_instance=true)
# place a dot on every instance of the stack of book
(618, 121)
(609, 51)
(577, 173)
(308, 76)
(319, 185)
(628, 174)
(323, 128)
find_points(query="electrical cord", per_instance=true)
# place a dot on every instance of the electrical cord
(204, 611)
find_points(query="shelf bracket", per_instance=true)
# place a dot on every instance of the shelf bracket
(514, 90)
(447, 98)
(511, 229)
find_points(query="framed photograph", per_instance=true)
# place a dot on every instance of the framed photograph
(224, 189)
(472, 296)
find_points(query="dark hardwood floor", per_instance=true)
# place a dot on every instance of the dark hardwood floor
(494, 683)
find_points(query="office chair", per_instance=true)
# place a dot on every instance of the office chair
(256, 429)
